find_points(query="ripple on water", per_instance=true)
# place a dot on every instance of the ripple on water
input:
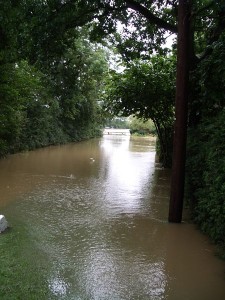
(101, 226)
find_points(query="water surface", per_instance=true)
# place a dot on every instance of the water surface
(96, 215)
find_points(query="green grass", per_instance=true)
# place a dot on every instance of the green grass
(23, 272)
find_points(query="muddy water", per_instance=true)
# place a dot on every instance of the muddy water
(96, 211)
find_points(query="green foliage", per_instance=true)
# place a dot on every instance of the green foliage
(9, 22)
(11, 115)
(28, 113)
(51, 96)
(206, 148)
(117, 122)
(77, 81)
(142, 127)
(206, 174)
(139, 35)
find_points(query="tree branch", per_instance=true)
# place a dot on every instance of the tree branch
(150, 16)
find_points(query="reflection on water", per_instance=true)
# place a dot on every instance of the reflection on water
(97, 211)
(127, 174)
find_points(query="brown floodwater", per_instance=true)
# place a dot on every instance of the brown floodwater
(97, 211)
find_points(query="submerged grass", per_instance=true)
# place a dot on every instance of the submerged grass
(23, 273)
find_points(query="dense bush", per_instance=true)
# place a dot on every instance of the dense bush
(206, 165)
(29, 114)
(206, 145)
(142, 127)
(41, 107)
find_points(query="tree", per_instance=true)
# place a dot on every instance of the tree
(77, 81)
(146, 90)
(181, 114)
(29, 114)
(50, 78)
(140, 126)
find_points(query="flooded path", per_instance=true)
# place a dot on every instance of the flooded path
(92, 217)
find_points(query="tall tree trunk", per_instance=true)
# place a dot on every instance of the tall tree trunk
(181, 112)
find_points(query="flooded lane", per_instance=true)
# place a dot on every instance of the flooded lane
(96, 214)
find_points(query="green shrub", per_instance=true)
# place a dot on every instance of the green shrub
(207, 174)
(206, 145)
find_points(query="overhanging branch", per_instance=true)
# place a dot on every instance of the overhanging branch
(150, 16)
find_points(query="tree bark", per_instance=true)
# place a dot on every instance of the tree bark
(181, 113)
